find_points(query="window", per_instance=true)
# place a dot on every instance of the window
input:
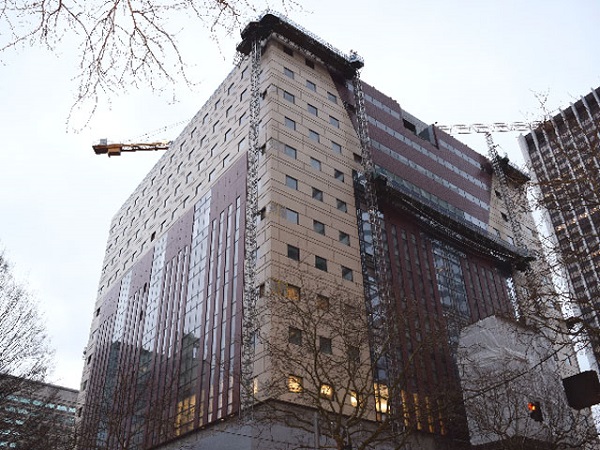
(354, 399)
(215, 126)
(315, 164)
(357, 158)
(291, 216)
(288, 51)
(381, 398)
(309, 63)
(290, 151)
(205, 118)
(321, 263)
(319, 227)
(290, 123)
(338, 175)
(293, 252)
(289, 97)
(344, 238)
(341, 205)
(242, 119)
(322, 302)
(227, 135)
(337, 148)
(313, 135)
(498, 194)
(312, 110)
(228, 111)
(230, 88)
(211, 175)
(295, 336)
(353, 355)
(288, 73)
(331, 97)
(326, 391)
(347, 274)
(333, 121)
(317, 194)
(217, 104)
(325, 345)
(312, 86)
(504, 216)
(291, 182)
(294, 384)
(243, 73)
(243, 94)
(292, 292)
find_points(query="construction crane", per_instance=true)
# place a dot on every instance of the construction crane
(115, 149)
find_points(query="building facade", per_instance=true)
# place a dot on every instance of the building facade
(563, 154)
(167, 358)
(36, 415)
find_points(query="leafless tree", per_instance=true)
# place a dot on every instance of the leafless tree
(121, 43)
(319, 375)
(25, 360)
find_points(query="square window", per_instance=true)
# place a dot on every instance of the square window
(292, 292)
(325, 345)
(289, 97)
(326, 391)
(293, 252)
(291, 182)
(288, 51)
(314, 135)
(290, 151)
(290, 123)
(341, 205)
(337, 148)
(344, 238)
(288, 73)
(338, 175)
(322, 302)
(315, 164)
(333, 121)
(331, 97)
(319, 227)
(292, 216)
(321, 263)
(312, 86)
(357, 158)
(312, 110)
(294, 384)
(295, 336)
(347, 274)
(317, 194)
(309, 63)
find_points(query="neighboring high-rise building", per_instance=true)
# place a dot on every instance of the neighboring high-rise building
(36, 415)
(178, 340)
(563, 154)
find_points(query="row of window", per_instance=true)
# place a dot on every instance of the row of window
(313, 110)
(293, 252)
(315, 163)
(317, 194)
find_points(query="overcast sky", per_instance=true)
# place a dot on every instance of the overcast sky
(445, 61)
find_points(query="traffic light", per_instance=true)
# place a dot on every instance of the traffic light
(535, 411)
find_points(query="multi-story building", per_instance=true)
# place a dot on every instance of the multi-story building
(178, 340)
(563, 154)
(36, 415)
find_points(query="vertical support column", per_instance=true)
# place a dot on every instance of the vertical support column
(249, 323)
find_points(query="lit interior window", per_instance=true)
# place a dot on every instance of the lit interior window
(381, 398)
(294, 383)
(326, 391)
